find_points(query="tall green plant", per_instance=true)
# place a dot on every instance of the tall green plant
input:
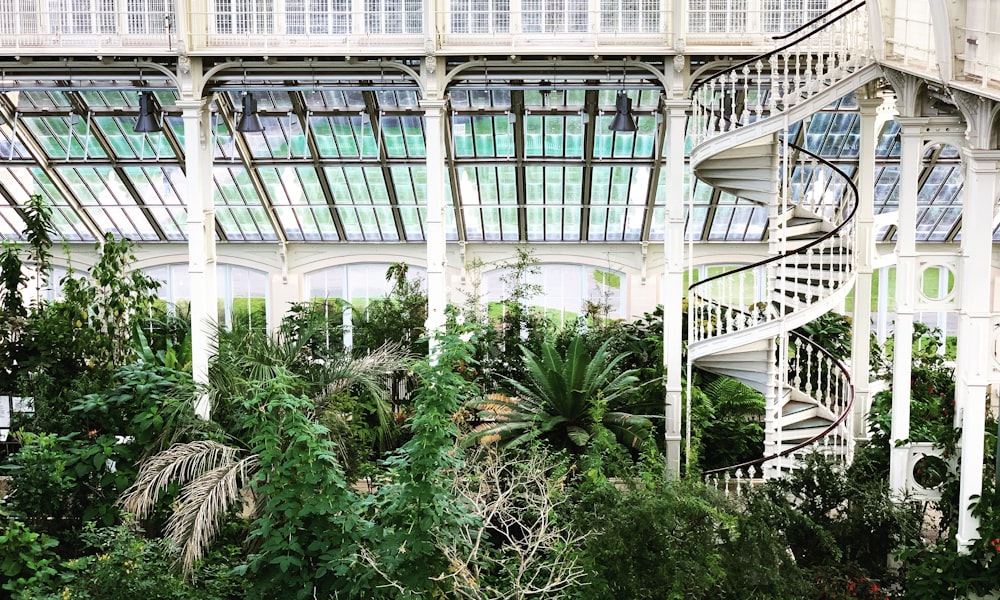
(416, 515)
(512, 322)
(731, 428)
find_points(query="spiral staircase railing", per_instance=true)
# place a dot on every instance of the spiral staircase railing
(810, 274)
(841, 399)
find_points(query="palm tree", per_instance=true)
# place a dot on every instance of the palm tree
(244, 356)
(563, 399)
(215, 477)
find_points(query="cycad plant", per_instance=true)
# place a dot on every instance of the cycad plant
(564, 399)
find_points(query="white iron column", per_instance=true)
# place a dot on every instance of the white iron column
(199, 197)
(864, 251)
(673, 286)
(435, 111)
(972, 367)
(911, 152)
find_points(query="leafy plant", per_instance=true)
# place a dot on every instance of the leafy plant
(213, 479)
(731, 423)
(564, 399)
(679, 541)
(415, 515)
(398, 318)
(306, 516)
(26, 557)
(511, 323)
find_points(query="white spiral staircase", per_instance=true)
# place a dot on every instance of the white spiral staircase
(742, 119)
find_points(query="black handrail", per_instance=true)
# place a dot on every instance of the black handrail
(812, 21)
(697, 85)
(847, 411)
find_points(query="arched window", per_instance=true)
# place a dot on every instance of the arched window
(243, 293)
(566, 292)
(335, 291)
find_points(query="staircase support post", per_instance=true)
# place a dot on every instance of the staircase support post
(911, 152)
(673, 287)
(864, 251)
(972, 365)
(773, 400)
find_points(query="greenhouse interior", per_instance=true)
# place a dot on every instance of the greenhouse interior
(508, 299)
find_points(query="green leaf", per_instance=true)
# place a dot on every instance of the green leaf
(578, 435)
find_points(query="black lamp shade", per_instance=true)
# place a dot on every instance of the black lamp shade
(250, 120)
(623, 120)
(147, 121)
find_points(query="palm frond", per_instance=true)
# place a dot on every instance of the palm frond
(629, 429)
(179, 464)
(369, 371)
(203, 504)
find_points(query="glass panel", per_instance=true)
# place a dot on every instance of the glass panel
(157, 189)
(239, 210)
(23, 182)
(361, 200)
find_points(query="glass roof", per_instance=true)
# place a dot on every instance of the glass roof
(348, 166)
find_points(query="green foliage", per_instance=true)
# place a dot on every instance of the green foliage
(26, 557)
(416, 513)
(835, 521)
(682, 541)
(565, 400)
(303, 535)
(72, 347)
(832, 332)
(124, 565)
(398, 318)
(320, 321)
(61, 481)
(11, 281)
(511, 324)
(245, 357)
(41, 478)
(731, 428)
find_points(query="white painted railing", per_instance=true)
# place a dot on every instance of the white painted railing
(814, 234)
(822, 54)
(108, 24)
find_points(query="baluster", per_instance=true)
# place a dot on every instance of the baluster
(697, 310)
(796, 363)
(733, 86)
(741, 289)
(786, 75)
(715, 120)
(726, 478)
(808, 372)
(759, 104)
(828, 375)
(738, 482)
(745, 113)
(795, 83)
(774, 68)
(718, 321)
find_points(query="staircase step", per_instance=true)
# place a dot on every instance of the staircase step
(800, 288)
(803, 230)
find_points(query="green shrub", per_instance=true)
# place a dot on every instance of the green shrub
(26, 557)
